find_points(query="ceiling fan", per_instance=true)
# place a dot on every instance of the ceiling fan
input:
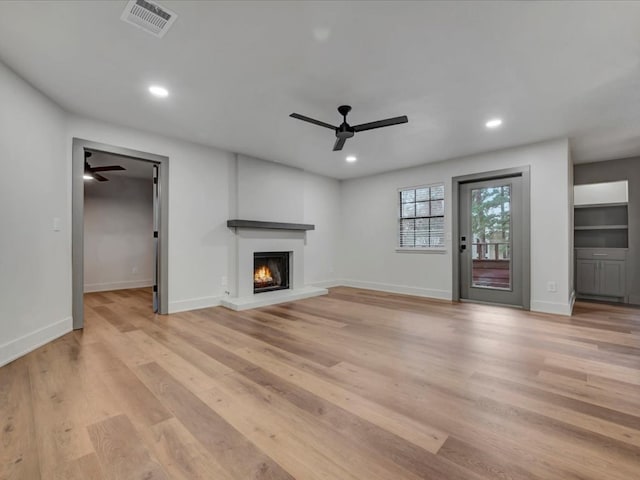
(90, 173)
(345, 130)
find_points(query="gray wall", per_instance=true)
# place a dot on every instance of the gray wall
(609, 171)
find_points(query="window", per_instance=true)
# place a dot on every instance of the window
(422, 217)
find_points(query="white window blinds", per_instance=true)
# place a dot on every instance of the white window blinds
(422, 217)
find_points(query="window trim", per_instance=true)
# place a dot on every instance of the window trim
(429, 249)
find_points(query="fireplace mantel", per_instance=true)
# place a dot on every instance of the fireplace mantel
(252, 237)
(269, 225)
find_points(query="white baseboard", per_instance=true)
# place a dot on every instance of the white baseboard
(326, 284)
(402, 289)
(194, 304)
(106, 287)
(556, 308)
(21, 346)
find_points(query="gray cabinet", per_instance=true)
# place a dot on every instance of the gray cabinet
(601, 272)
(587, 277)
(612, 275)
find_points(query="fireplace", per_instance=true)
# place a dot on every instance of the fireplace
(280, 247)
(270, 271)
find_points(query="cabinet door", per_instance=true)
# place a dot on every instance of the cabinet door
(587, 277)
(612, 278)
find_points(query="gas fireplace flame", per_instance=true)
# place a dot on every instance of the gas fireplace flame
(262, 275)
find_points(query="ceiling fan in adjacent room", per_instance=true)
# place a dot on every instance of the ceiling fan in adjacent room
(345, 130)
(90, 173)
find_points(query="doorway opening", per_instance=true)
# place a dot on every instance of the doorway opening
(119, 226)
(491, 230)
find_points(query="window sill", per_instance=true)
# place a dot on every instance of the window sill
(421, 250)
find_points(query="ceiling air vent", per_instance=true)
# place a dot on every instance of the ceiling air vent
(149, 16)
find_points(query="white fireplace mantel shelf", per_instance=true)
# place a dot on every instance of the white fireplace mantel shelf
(269, 225)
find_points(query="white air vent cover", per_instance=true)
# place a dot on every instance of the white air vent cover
(149, 16)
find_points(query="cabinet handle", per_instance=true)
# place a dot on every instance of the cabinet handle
(600, 254)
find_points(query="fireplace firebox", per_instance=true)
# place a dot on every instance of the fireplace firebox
(270, 271)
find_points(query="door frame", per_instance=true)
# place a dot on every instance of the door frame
(525, 173)
(77, 221)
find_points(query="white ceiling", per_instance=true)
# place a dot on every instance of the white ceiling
(236, 70)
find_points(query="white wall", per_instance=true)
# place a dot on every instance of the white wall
(269, 191)
(208, 186)
(322, 208)
(198, 208)
(35, 261)
(118, 233)
(369, 226)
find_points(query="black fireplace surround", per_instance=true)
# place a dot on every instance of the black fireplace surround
(270, 271)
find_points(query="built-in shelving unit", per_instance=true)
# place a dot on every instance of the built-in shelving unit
(601, 226)
(601, 239)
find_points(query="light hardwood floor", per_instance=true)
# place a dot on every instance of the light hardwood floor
(356, 385)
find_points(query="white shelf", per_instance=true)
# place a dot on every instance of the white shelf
(601, 193)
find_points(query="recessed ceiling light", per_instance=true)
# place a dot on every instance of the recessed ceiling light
(86, 176)
(321, 34)
(494, 123)
(351, 159)
(158, 91)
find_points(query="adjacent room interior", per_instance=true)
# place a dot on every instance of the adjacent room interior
(311, 240)
(119, 250)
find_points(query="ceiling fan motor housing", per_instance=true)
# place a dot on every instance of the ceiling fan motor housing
(345, 131)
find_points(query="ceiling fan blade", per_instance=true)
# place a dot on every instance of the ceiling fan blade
(100, 178)
(107, 168)
(339, 144)
(312, 120)
(381, 123)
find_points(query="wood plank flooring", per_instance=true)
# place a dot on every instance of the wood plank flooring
(355, 385)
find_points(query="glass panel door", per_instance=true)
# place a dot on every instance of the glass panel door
(491, 237)
(491, 219)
